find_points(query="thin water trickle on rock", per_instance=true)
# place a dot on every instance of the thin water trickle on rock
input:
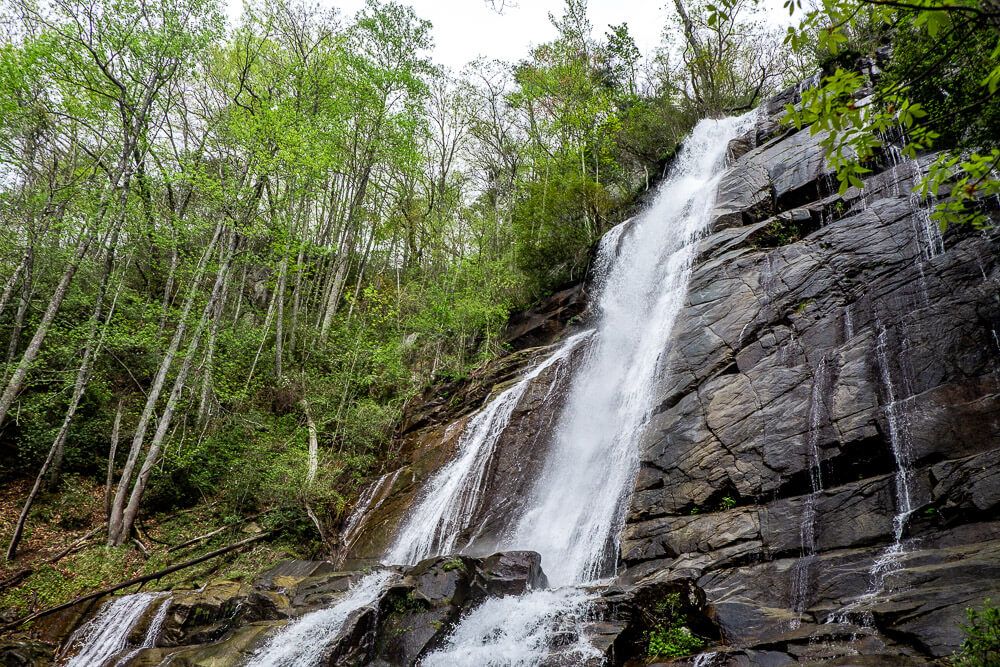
(897, 418)
(802, 570)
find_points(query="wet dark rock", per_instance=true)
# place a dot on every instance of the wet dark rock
(25, 653)
(833, 322)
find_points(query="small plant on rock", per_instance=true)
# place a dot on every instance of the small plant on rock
(671, 638)
(728, 503)
(453, 564)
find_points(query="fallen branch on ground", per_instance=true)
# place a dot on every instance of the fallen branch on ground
(136, 580)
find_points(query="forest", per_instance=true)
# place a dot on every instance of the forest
(233, 252)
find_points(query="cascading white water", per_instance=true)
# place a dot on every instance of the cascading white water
(576, 511)
(514, 631)
(303, 641)
(807, 525)
(152, 634)
(577, 507)
(455, 492)
(106, 635)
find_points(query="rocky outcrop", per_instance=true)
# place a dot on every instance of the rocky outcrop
(413, 614)
(836, 361)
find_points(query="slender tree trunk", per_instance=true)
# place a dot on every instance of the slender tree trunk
(115, 436)
(16, 380)
(11, 285)
(280, 318)
(22, 309)
(156, 444)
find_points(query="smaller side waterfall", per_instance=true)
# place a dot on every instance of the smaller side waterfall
(454, 494)
(152, 634)
(302, 642)
(106, 635)
(802, 570)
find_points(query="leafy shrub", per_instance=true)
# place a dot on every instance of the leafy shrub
(673, 642)
(670, 637)
(981, 647)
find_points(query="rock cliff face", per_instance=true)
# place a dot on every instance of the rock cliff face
(820, 481)
(826, 443)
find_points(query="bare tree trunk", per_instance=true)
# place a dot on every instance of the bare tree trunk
(16, 380)
(115, 431)
(156, 444)
(22, 309)
(8, 289)
(280, 318)
(115, 523)
(311, 473)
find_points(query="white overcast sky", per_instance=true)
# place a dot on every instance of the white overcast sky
(467, 29)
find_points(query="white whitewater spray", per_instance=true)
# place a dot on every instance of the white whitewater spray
(106, 635)
(576, 511)
(303, 641)
(152, 634)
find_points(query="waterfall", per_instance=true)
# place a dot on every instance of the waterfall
(367, 504)
(303, 641)
(575, 511)
(807, 526)
(106, 635)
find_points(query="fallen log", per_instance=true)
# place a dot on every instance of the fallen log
(136, 580)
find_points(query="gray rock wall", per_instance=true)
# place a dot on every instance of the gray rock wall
(827, 328)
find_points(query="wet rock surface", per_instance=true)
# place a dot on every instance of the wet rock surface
(840, 330)
(411, 616)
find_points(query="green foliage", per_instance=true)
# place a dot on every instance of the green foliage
(671, 638)
(451, 564)
(934, 48)
(728, 503)
(981, 646)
